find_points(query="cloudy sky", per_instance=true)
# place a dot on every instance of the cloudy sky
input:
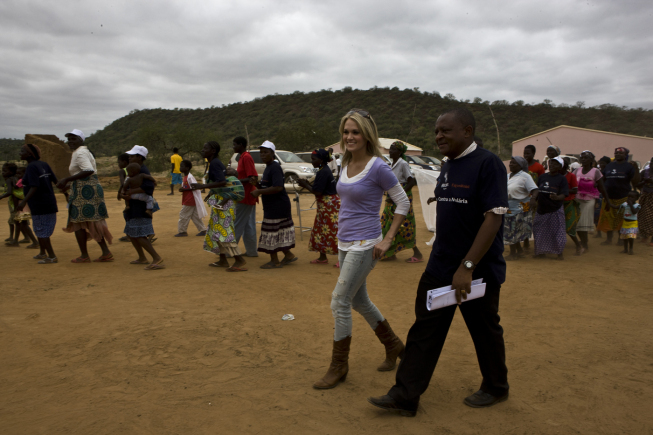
(82, 64)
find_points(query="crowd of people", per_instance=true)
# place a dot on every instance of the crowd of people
(553, 200)
(477, 213)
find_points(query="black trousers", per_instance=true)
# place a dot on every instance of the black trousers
(427, 335)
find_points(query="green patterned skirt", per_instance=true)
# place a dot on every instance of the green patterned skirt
(86, 201)
(405, 238)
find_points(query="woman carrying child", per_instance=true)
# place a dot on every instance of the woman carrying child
(39, 195)
(138, 223)
(363, 180)
(324, 235)
(86, 209)
(406, 237)
(18, 221)
(220, 236)
(628, 231)
(549, 228)
(278, 228)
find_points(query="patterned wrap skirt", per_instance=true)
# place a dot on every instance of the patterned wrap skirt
(44, 224)
(586, 221)
(276, 235)
(628, 230)
(220, 232)
(550, 232)
(572, 215)
(513, 228)
(405, 238)
(87, 210)
(645, 214)
(324, 235)
(528, 219)
(139, 227)
(611, 220)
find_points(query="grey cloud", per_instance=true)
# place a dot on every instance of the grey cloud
(83, 64)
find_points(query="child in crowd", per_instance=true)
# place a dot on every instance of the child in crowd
(123, 161)
(134, 181)
(18, 220)
(192, 207)
(629, 227)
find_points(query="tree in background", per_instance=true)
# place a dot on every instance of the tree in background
(305, 135)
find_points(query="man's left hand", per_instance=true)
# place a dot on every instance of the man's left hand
(462, 283)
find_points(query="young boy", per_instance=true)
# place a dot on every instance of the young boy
(192, 206)
(18, 220)
(134, 181)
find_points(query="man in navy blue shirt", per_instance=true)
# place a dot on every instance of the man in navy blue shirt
(472, 197)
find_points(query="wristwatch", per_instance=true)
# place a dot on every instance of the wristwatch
(468, 264)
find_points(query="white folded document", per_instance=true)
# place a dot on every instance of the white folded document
(445, 296)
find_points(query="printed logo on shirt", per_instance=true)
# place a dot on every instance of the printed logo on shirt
(546, 185)
(446, 181)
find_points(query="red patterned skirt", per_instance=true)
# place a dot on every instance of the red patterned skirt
(324, 235)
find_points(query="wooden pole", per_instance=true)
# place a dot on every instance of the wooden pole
(497, 126)
(247, 135)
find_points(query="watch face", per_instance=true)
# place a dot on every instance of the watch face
(469, 264)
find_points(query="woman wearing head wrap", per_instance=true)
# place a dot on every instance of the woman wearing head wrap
(645, 215)
(590, 183)
(522, 198)
(552, 151)
(87, 212)
(619, 176)
(549, 226)
(39, 195)
(324, 235)
(405, 238)
(364, 178)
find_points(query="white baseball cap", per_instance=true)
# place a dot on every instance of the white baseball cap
(77, 133)
(268, 144)
(137, 149)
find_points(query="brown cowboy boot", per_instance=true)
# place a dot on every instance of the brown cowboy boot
(393, 346)
(338, 369)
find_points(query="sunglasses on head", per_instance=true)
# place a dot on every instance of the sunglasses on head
(361, 112)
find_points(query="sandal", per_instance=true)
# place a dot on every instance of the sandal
(216, 264)
(104, 259)
(414, 260)
(236, 269)
(48, 260)
(155, 266)
(40, 257)
(318, 261)
(81, 260)
(139, 262)
(272, 265)
(285, 262)
(337, 265)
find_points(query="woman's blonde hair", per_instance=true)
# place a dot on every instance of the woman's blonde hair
(368, 130)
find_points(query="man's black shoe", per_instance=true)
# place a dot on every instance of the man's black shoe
(481, 399)
(390, 404)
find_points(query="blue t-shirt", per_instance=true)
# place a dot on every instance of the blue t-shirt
(551, 184)
(216, 171)
(617, 179)
(276, 205)
(39, 174)
(324, 182)
(466, 189)
(628, 213)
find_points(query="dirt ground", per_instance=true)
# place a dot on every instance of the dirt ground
(107, 348)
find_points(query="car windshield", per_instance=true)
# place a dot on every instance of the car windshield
(417, 160)
(432, 160)
(289, 157)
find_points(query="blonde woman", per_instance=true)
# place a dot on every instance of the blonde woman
(364, 178)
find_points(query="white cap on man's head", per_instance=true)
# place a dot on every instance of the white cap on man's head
(268, 144)
(137, 149)
(77, 132)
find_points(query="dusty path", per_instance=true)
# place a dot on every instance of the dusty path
(112, 348)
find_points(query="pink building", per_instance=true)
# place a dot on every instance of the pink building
(574, 140)
(385, 145)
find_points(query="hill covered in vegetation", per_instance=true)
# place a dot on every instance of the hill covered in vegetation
(304, 121)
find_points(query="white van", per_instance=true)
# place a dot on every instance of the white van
(293, 167)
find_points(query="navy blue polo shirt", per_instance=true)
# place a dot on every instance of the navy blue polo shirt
(275, 205)
(617, 179)
(216, 171)
(39, 174)
(466, 189)
(551, 185)
(324, 182)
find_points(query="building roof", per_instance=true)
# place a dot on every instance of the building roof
(584, 129)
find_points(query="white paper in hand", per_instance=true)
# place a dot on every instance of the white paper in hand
(445, 296)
